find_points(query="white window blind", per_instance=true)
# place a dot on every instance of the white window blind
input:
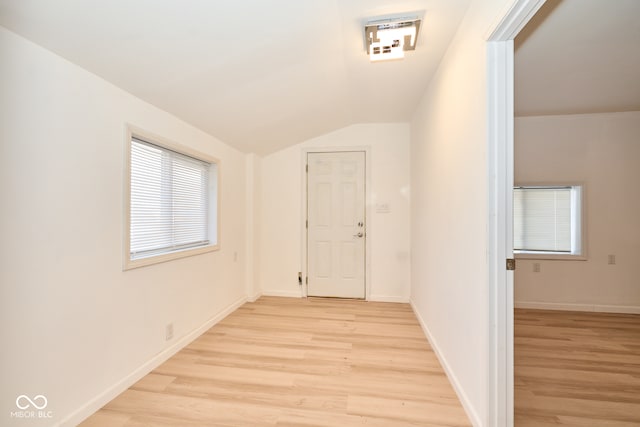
(543, 219)
(169, 201)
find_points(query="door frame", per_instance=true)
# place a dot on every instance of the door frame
(500, 132)
(304, 268)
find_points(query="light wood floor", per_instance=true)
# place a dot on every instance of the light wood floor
(290, 362)
(576, 369)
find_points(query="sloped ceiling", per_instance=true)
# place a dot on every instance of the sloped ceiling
(260, 75)
(579, 56)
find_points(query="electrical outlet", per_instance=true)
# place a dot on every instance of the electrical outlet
(611, 260)
(536, 267)
(168, 333)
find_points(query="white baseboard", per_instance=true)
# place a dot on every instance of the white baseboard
(112, 392)
(466, 404)
(599, 308)
(385, 298)
(254, 298)
(298, 294)
(287, 294)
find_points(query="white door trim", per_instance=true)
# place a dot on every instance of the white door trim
(500, 94)
(303, 210)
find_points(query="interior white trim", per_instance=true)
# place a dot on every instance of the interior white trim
(466, 403)
(112, 392)
(386, 298)
(500, 384)
(500, 122)
(598, 308)
(285, 294)
(254, 298)
(515, 17)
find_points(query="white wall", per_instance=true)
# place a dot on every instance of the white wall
(449, 210)
(281, 225)
(602, 151)
(72, 323)
(252, 220)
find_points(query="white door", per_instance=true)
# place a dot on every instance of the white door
(336, 230)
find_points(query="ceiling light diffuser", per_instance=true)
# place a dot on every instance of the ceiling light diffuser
(388, 39)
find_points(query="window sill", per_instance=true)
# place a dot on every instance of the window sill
(157, 259)
(550, 256)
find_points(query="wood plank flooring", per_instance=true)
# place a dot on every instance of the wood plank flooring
(293, 362)
(576, 369)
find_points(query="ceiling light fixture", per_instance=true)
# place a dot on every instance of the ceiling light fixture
(389, 38)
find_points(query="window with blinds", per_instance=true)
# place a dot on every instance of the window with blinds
(170, 206)
(547, 219)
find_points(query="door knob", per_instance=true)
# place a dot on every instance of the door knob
(358, 235)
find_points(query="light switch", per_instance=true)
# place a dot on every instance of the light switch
(383, 207)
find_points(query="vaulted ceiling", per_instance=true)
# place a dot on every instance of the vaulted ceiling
(579, 56)
(260, 75)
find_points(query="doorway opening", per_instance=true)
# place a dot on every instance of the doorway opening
(577, 112)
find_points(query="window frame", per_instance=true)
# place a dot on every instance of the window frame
(560, 256)
(214, 208)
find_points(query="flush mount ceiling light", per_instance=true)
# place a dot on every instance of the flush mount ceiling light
(389, 38)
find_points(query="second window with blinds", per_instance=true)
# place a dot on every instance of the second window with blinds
(172, 201)
(548, 222)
